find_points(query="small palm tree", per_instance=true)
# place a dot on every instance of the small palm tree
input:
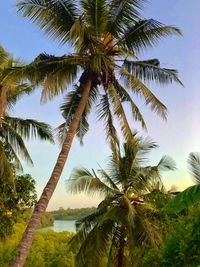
(191, 195)
(127, 217)
(106, 38)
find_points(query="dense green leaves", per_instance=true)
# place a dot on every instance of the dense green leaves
(191, 195)
(124, 220)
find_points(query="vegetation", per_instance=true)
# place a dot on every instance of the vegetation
(127, 221)
(71, 214)
(106, 38)
(56, 255)
(13, 204)
(138, 222)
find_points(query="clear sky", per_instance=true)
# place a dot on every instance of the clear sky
(177, 137)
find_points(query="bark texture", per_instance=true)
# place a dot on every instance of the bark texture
(40, 207)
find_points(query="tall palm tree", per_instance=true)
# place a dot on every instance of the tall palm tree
(106, 38)
(127, 217)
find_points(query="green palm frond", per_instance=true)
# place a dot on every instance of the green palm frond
(14, 139)
(95, 15)
(82, 180)
(21, 89)
(194, 166)
(122, 13)
(166, 164)
(29, 129)
(146, 33)
(125, 97)
(68, 109)
(6, 170)
(12, 157)
(105, 114)
(191, 195)
(141, 89)
(119, 112)
(54, 73)
(54, 17)
(150, 70)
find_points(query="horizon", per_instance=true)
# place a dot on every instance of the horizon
(177, 137)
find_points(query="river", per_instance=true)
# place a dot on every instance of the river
(61, 225)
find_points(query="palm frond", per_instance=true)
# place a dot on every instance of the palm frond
(194, 166)
(69, 108)
(105, 114)
(146, 33)
(122, 13)
(166, 164)
(119, 112)
(28, 129)
(53, 73)
(83, 181)
(183, 200)
(96, 15)
(125, 97)
(141, 89)
(150, 70)
(54, 17)
(6, 170)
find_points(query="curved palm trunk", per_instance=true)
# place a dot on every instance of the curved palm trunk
(28, 236)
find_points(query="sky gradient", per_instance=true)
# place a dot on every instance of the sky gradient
(177, 137)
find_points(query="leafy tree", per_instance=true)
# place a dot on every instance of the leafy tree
(13, 203)
(50, 249)
(106, 38)
(181, 245)
(126, 221)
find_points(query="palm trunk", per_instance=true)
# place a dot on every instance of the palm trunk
(40, 207)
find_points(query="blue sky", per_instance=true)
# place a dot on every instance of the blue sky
(177, 137)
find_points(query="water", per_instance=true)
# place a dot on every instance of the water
(61, 225)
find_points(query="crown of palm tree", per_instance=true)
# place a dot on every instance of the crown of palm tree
(106, 38)
(127, 212)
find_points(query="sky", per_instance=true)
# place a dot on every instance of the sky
(177, 137)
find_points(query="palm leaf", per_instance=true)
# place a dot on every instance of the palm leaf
(105, 114)
(183, 200)
(119, 112)
(54, 17)
(28, 129)
(141, 89)
(146, 33)
(150, 70)
(82, 180)
(194, 166)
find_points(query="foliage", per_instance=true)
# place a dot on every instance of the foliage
(127, 220)
(46, 220)
(106, 38)
(181, 246)
(50, 249)
(71, 214)
(13, 203)
(191, 195)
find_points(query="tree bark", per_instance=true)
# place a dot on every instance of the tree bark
(40, 207)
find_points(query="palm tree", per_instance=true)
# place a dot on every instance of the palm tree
(126, 219)
(106, 38)
(14, 130)
(191, 195)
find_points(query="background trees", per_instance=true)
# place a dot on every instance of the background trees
(127, 221)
